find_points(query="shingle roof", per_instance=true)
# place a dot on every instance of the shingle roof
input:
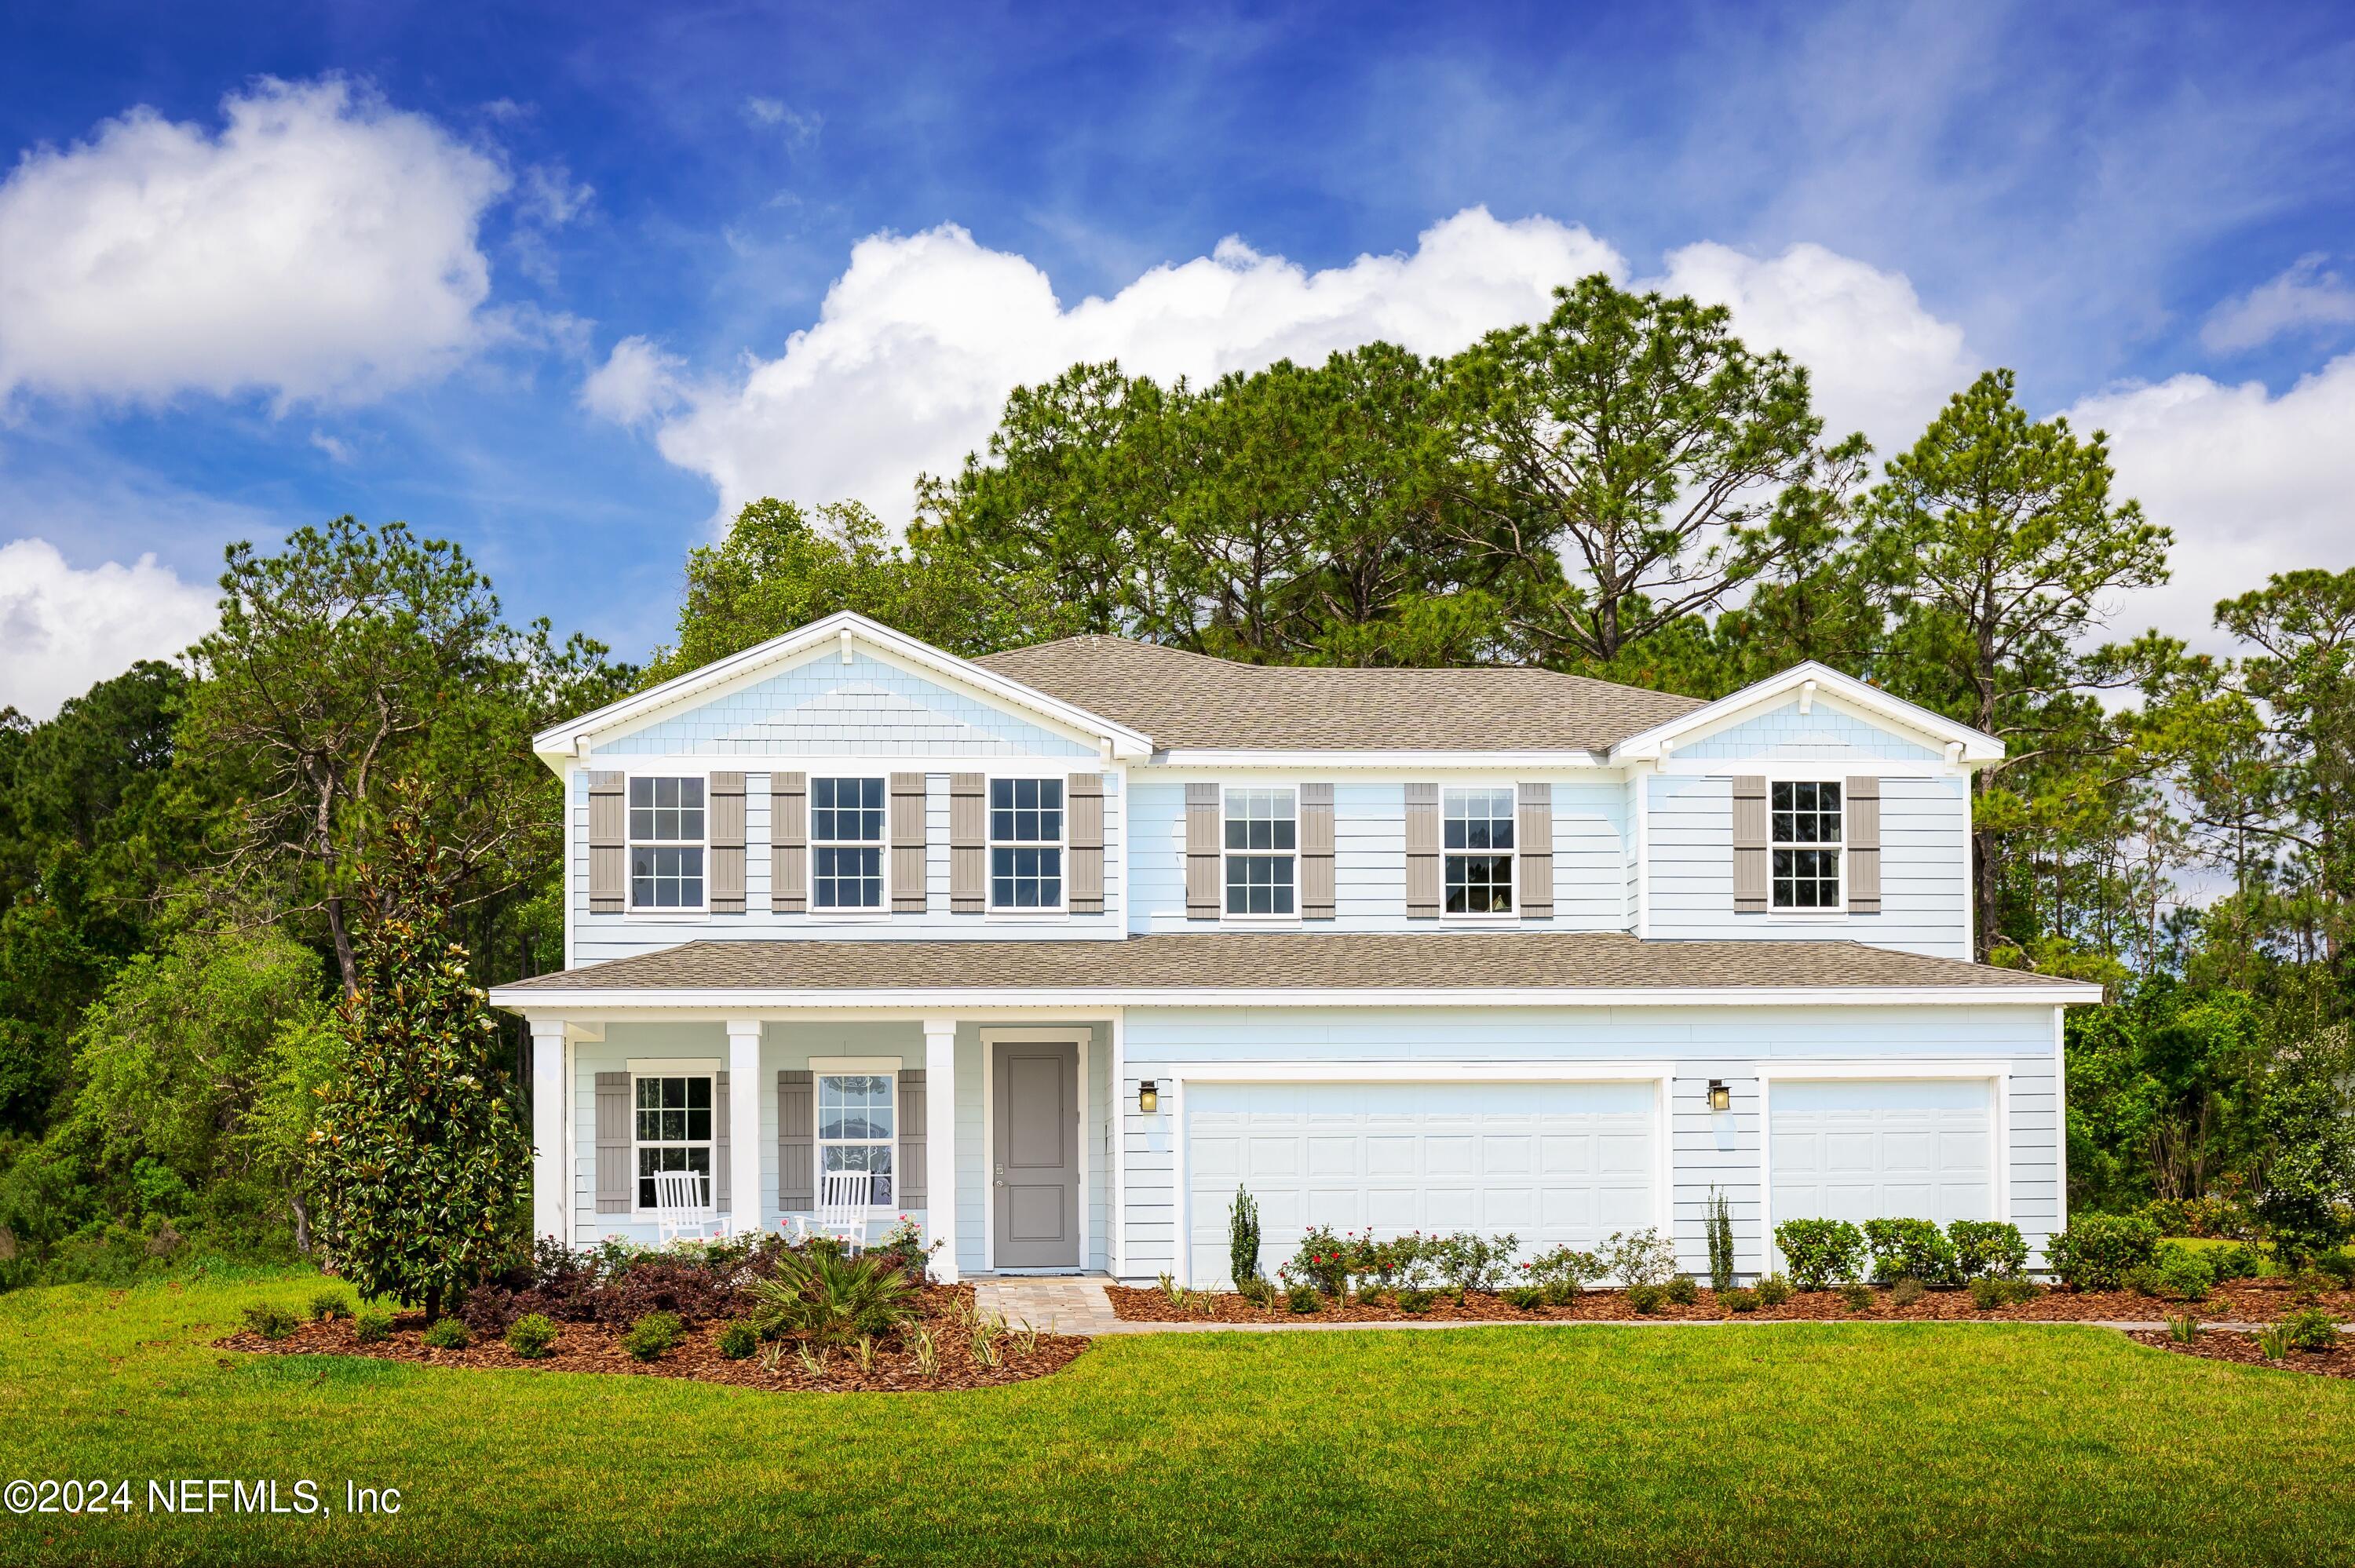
(1189, 701)
(1567, 961)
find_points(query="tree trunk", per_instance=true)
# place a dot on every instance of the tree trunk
(302, 1221)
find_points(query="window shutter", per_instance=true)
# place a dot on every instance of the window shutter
(1750, 857)
(906, 843)
(914, 1188)
(719, 1145)
(968, 843)
(1202, 852)
(727, 796)
(1316, 851)
(609, 827)
(788, 843)
(1083, 800)
(614, 1177)
(1533, 843)
(1422, 851)
(796, 1140)
(1862, 809)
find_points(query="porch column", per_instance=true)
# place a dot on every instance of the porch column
(549, 1179)
(746, 1213)
(940, 1144)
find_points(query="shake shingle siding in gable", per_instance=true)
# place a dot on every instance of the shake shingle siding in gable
(1783, 734)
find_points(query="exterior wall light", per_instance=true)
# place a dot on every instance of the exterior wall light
(1148, 1096)
(1719, 1097)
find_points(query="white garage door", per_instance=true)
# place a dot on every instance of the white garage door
(1552, 1163)
(1885, 1149)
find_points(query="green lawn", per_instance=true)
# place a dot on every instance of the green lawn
(1761, 1445)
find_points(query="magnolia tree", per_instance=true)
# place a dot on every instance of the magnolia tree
(421, 1146)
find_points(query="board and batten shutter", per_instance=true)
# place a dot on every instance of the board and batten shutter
(968, 843)
(1422, 851)
(906, 843)
(609, 827)
(788, 843)
(1083, 799)
(914, 1188)
(1533, 844)
(727, 796)
(796, 1140)
(614, 1177)
(1316, 851)
(1749, 854)
(720, 1162)
(1202, 852)
(1862, 828)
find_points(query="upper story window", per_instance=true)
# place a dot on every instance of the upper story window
(1026, 844)
(667, 844)
(846, 842)
(1262, 851)
(671, 1129)
(1806, 836)
(1478, 847)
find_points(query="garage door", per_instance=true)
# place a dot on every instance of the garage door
(1551, 1162)
(1894, 1149)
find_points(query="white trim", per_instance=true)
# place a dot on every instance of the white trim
(1832, 688)
(676, 1067)
(939, 1145)
(990, 843)
(1116, 1206)
(814, 912)
(2060, 1120)
(1416, 760)
(1291, 917)
(1642, 779)
(1511, 917)
(860, 1067)
(576, 832)
(672, 1066)
(1021, 1001)
(747, 1213)
(550, 1204)
(1181, 1198)
(854, 1066)
(630, 909)
(1838, 906)
(1050, 1034)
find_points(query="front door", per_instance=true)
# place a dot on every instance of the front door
(1035, 1157)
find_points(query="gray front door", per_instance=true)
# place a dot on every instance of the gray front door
(1034, 1161)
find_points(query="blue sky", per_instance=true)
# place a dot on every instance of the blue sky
(530, 276)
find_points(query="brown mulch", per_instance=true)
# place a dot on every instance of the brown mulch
(2246, 1300)
(2217, 1345)
(596, 1348)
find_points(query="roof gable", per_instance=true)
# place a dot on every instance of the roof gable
(1810, 685)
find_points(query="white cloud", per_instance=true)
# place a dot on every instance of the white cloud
(2302, 298)
(61, 629)
(799, 127)
(321, 245)
(337, 450)
(637, 382)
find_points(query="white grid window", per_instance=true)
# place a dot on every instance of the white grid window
(1806, 831)
(1026, 844)
(1263, 844)
(856, 1117)
(671, 1128)
(1478, 825)
(845, 843)
(667, 844)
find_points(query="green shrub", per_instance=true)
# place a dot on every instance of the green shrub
(1322, 1262)
(2184, 1329)
(2339, 1263)
(1414, 1300)
(1255, 1290)
(738, 1340)
(1989, 1292)
(1242, 1238)
(1720, 1228)
(270, 1321)
(530, 1334)
(1740, 1300)
(652, 1334)
(2311, 1330)
(1683, 1290)
(1907, 1291)
(2272, 1343)
(1469, 1262)
(326, 1306)
(1563, 1272)
(2175, 1273)
(1774, 1291)
(1985, 1247)
(1304, 1298)
(371, 1325)
(1639, 1257)
(1528, 1298)
(1856, 1296)
(448, 1334)
(1914, 1249)
(1820, 1252)
(2099, 1251)
(1647, 1299)
(829, 1297)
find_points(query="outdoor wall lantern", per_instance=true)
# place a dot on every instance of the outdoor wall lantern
(1148, 1096)
(1719, 1097)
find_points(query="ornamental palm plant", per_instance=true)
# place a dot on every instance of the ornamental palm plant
(832, 1298)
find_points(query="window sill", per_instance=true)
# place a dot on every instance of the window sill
(1026, 916)
(663, 917)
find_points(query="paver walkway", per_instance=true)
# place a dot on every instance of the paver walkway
(1059, 1304)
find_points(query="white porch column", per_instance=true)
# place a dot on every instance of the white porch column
(550, 1180)
(940, 1144)
(746, 1211)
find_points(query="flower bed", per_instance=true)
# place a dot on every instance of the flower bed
(2243, 1349)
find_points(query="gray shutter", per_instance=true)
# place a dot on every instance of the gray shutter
(726, 799)
(614, 1177)
(968, 843)
(609, 827)
(1316, 851)
(907, 843)
(1533, 843)
(1083, 799)
(1750, 861)
(1202, 852)
(788, 843)
(915, 1186)
(1422, 851)
(719, 1146)
(796, 1140)
(1861, 812)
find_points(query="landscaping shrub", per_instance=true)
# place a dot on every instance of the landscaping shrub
(1774, 1291)
(2339, 1263)
(2272, 1343)
(1416, 1300)
(448, 1334)
(1986, 1247)
(1917, 1249)
(1682, 1289)
(1322, 1262)
(1856, 1296)
(738, 1340)
(371, 1326)
(830, 1297)
(1740, 1300)
(530, 1334)
(1640, 1258)
(2241, 1261)
(1242, 1238)
(2100, 1250)
(1562, 1272)
(1304, 1298)
(652, 1334)
(270, 1321)
(1528, 1298)
(2176, 1272)
(1255, 1290)
(2184, 1329)
(2311, 1330)
(1646, 1298)
(903, 1248)
(1721, 1241)
(329, 1305)
(1907, 1291)
(1469, 1262)
(1820, 1252)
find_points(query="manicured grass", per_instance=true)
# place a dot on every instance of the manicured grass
(1914, 1443)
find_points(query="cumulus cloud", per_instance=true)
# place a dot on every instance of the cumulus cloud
(637, 382)
(61, 628)
(320, 246)
(2303, 297)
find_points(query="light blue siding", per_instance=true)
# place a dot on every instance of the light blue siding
(1825, 733)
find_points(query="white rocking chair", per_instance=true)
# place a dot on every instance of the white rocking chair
(844, 1198)
(680, 1212)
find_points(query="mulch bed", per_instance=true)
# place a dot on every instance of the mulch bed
(2219, 1346)
(596, 1348)
(2246, 1300)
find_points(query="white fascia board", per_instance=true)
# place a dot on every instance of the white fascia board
(1977, 745)
(561, 741)
(1046, 1001)
(1420, 760)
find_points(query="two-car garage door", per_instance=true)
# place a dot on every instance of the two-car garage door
(1551, 1163)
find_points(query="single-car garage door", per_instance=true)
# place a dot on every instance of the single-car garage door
(1917, 1149)
(1551, 1163)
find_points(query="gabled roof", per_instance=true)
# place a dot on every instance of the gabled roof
(1809, 681)
(1189, 702)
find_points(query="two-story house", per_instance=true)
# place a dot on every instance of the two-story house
(1064, 945)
